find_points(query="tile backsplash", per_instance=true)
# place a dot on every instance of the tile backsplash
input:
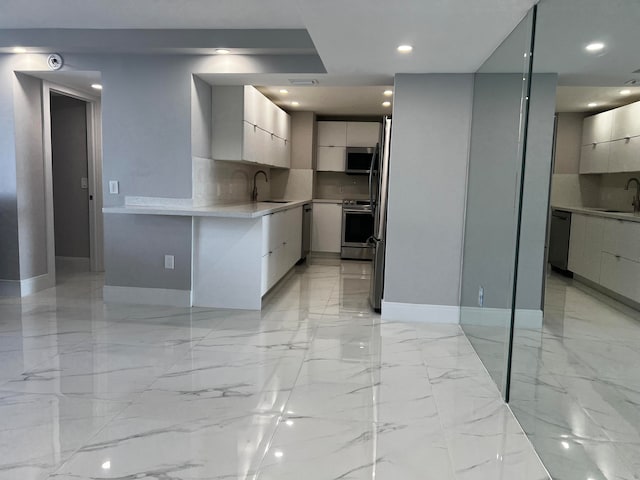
(593, 190)
(338, 185)
(217, 182)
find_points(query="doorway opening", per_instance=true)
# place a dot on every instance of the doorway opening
(73, 162)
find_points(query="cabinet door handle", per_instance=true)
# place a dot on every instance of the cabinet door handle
(618, 257)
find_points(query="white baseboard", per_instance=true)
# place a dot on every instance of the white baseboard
(147, 296)
(417, 312)
(500, 317)
(22, 288)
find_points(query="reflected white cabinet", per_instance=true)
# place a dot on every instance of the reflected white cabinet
(625, 155)
(597, 128)
(327, 227)
(585, 246)
(607, 252)
(626, 121)
(594, 158)
(247, 126)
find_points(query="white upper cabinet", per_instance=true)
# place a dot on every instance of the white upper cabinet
(625, 155)
(594, 158)
(626, 121)
(597, 128)
(363, 134)
(248, 127)
(332, 134)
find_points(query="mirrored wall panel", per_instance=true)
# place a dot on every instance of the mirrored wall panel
(575, 381)
(496, 153)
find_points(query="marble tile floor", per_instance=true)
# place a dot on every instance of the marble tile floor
(315, 386)
(576, 383)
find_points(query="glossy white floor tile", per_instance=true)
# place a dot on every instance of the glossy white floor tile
(576, 385)
(315, 386)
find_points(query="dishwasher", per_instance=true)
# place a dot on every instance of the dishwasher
(559, 240)
(307, 221)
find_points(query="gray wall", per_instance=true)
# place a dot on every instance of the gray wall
(535, 201)
(303, 140)
(493, 170)
(135, 246)
(427, 185)
(568, 143)
(69, 166)
(9, 253)
(492, 200)
(32, 231)
(200, 118)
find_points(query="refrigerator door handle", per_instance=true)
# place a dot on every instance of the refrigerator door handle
(371, 199)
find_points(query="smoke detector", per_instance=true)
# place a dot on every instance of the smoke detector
(55, 61)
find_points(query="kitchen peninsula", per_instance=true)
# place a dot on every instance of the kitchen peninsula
(239, 251)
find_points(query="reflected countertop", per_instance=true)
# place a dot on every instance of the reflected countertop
(600, 212)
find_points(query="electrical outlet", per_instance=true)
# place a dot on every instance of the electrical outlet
(84, 183)
(114, 187)
(481, 296)
(169, 262)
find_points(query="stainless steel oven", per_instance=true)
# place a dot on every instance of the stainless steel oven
(357, 228)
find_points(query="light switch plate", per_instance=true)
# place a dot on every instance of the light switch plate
(114, 187)
(169, 262)
(84, 183)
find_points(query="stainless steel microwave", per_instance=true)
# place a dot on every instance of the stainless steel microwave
(359, 160)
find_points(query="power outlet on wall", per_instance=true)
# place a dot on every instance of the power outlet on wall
(169, 262)
(114, 187)
(481, 296)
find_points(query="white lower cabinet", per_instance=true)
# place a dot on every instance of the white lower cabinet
(281, 245)
(621, 276)
(607, 252)
(585, 246)
(327, 227)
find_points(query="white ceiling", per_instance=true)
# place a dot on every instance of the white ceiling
(332, 100)
(212, 14)
(357, 39)
(576, 99)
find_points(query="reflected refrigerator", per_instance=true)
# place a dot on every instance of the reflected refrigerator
(378, 190)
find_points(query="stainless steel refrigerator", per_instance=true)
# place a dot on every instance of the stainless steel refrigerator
(378, 190)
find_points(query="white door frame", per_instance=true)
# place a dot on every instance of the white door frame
(94, 161)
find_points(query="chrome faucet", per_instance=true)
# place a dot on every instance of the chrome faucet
(636, 198)
(254, 192)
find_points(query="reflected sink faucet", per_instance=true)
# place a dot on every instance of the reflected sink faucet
(254, 192)
(636, 198)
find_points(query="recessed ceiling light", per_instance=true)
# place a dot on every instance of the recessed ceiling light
(295, 104)
(106, 465)
(386, 104)
(19, 50)
(595, 47)
(278, 453)
(405, 48)
(284, 90)
(625, 92)
(97, 86)
(592, 104)
(387, 93)
(222, 51)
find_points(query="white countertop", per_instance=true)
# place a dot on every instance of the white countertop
(243, 210)
(600, 212)
(327, 200)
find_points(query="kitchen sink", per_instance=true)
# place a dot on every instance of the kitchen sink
(275, 201)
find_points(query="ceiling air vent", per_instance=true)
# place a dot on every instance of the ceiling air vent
(303, 82)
